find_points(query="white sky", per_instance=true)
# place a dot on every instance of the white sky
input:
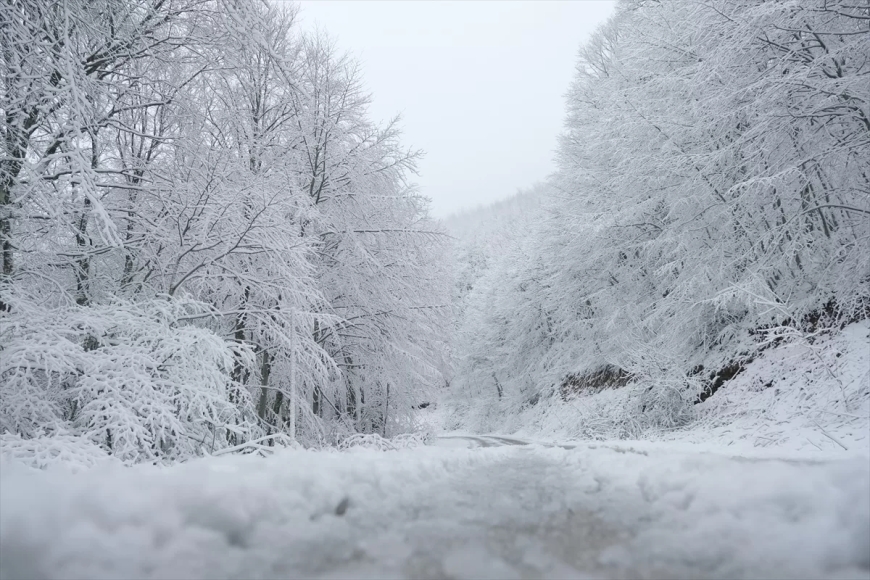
(479, 85)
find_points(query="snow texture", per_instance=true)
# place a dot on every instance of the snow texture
(469, 509)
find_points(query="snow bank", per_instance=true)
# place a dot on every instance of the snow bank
(713, 516)
(509, 512)
(209, 517)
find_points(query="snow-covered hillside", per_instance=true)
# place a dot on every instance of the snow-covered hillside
(686, 237)
(805, 392)
(805, 398)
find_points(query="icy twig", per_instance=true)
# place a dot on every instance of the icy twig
(831, 437)
(254, 444)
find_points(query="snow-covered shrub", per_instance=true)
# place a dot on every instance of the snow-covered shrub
(133, 378)
(71, 452)
(262, 446)
(375, 441)
(411, 440)
(660, 405)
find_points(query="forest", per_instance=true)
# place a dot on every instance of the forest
(208, 245)
(206, 241)
(712, 200)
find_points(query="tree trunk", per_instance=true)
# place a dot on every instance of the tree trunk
(265, 371)
(386, 409)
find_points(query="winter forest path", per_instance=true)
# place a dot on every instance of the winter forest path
(502, 519)
(482, 440)
(467, 506)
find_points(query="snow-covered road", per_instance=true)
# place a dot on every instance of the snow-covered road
(467, 507)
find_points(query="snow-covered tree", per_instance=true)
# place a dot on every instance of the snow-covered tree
(712, 189)
(377, 251)
(199, 226)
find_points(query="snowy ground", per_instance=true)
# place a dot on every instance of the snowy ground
(463, 508)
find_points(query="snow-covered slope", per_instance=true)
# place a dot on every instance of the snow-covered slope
(801, 395)
(804, 397)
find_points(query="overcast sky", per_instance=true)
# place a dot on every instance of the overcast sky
(479, 85)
